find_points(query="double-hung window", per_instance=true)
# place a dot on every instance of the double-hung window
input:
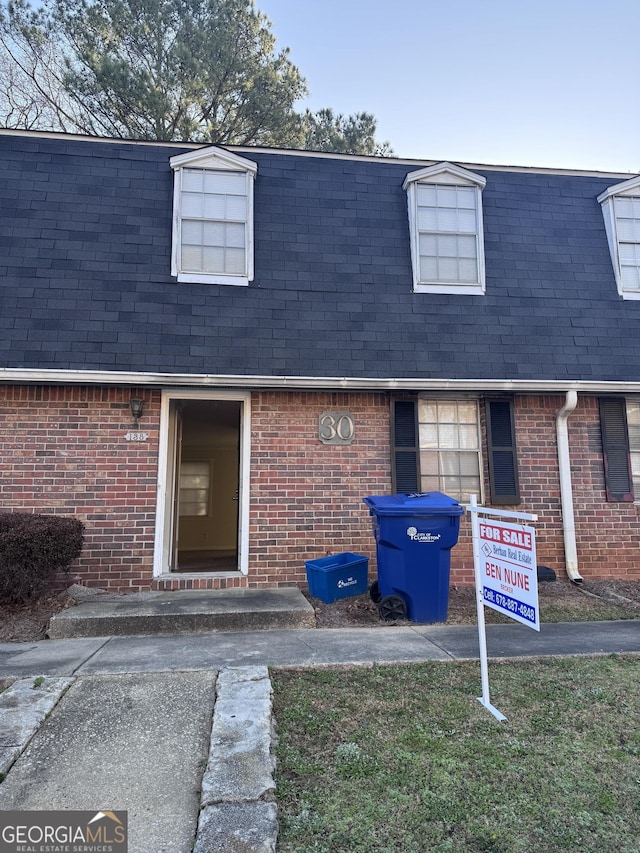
(213, 218)
(446, 229)
(621, 211)
(437, 447)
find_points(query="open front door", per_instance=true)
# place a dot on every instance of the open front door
(203, 500)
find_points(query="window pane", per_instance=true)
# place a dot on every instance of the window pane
(629, 229)
(467, 221)
(213, 233)
(428, 269)
(447, 412)
(192, 258)
(193, 180)
(634, 436)
(466, 247)
(468, 464)
(427, 195)
(448, 435)
(447, 269)
(430, 484)
(234, 261)
(630, 277)
(624, 207)
(234, 183)
(236, 208)
(633, 414)
(192, 205)
(235, 236)
(213, 259)
(630, 252)
(469, 486)
(468, 271)
(427, 219)
(195, 479)
(448, 220)
(466, 197)
(428, 435)
(468, 436)
(447, 196)
(429, 463)
(448, 463)
(468, 413)
(427, 411)
(191, 232)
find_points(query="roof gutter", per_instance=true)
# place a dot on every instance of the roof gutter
(566, 489)
(18, 375)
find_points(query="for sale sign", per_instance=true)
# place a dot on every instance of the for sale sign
(508, 570)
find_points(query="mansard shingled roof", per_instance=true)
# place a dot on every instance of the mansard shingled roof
(85, 237)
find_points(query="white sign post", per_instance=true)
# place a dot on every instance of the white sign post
(504, 562)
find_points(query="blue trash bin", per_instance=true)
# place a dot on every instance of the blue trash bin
(414, 536)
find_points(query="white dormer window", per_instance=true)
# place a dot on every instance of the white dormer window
(621, 211)
(213, 217)
(445, 223)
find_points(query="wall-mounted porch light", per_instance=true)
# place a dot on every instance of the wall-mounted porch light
(137, 408)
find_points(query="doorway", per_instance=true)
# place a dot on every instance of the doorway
(202, 517)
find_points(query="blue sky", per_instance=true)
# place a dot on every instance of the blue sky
(511, 82)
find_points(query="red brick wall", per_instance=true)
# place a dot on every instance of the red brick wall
(607, 534)
(306, 497)
(63, 451)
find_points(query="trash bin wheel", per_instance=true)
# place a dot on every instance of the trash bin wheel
(392, 607)
(374, 592)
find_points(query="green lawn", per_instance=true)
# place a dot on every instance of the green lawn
(403, 758)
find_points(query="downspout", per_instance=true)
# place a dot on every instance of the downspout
(566, 490)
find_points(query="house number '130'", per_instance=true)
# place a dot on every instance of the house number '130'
(336, 428)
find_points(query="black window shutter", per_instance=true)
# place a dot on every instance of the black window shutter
(615, 449)
(503, 462)
(405, 459)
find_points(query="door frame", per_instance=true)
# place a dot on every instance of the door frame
(166, 462)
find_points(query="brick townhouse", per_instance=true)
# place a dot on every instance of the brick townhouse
(210, 356)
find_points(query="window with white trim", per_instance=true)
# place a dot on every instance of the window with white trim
(213, 218)
(445, 223)
(449, 441)
(621, 211)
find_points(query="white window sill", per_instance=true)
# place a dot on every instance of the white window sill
(630, 294)
(438, 287)
(202, 278)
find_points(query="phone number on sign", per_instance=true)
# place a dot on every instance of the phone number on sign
(511, 605)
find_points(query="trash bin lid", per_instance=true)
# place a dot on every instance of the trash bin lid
(418, 503)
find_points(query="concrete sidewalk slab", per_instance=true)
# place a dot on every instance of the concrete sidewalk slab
(132, 742)
(23, 707)
(44, 657)
(318, 647)
(515, 640)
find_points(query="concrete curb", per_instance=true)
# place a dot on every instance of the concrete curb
(23, 707)
(237, 810)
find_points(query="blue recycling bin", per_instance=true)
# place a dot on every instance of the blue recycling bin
(414, 537)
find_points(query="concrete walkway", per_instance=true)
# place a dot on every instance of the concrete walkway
(308, 648)
(176, 730)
